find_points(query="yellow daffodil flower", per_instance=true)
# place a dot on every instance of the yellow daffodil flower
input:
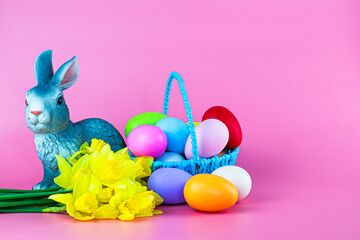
(96, 145)
(64, 179)
(81, 208)
(142, 166)
(109, 167)
(105, 195)
(87, 183)
(70, 175)
(123, 153)
(140, 205)
(126, 208)
(106, 185)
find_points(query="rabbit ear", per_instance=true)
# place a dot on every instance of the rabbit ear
(43, 67)
(67, 74)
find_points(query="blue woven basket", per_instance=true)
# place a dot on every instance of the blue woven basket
(195, 165)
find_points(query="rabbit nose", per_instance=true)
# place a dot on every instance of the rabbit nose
(35, 112)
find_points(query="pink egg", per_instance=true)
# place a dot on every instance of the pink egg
(212, 136)
(147, 140)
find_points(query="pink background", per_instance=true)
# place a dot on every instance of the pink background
(289, 70)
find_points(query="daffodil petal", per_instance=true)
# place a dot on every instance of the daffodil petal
(97, 162)
(63, 165)
(62, 198)
(83, 162)
(115, 200)
(105, 151)
(76, 214)
(106, 212)
(142, 166)
(84, 146)
(86, 203)
(95, 186)
(63, 180)
(87, 183)
(97, 145)
(158, 199)
(139, 188)
(74, 158)
(123, 151)
(123, 154)
(146, 200)
(128, 209)
(125, 215)
(105, 195)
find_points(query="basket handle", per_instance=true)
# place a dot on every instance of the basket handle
(175, 75)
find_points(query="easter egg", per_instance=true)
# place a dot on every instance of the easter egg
(146, 140)
(237, 176)
(170, 157)
(231, 122)
(169, 184)
(210, 193)
(195, 124)
(176, 132)
(147, 118)
(223, 152)
(212, 136)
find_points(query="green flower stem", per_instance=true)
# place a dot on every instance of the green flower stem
(31, 195)
(55, 209)
(33, 210)
(28, 191)
(23, 210)
(40, 202)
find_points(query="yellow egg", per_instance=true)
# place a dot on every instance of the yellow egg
(195, 123)
(210, 193)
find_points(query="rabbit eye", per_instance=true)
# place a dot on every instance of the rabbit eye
(60, 100)
(26, 103)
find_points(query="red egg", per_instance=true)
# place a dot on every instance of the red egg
(228, 118)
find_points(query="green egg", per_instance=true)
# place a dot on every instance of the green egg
(150, 118)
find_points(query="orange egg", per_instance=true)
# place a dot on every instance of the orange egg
(210, 193)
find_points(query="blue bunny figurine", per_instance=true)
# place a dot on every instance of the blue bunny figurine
(48, 117)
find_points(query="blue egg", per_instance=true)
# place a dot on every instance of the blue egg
(169, 184)
(170, 157)
(176, 131)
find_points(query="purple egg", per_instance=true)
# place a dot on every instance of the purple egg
(212, 136)
(169, 184)
(147, 140)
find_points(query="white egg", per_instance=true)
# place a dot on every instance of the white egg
(237, 176)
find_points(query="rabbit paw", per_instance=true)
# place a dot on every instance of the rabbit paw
(44, 185)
